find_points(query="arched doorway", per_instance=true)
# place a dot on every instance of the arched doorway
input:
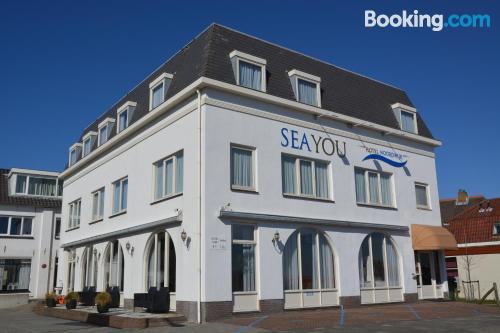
(309, 270)
(89, 267)
(114, 266)
(161, 264)
(379, 274)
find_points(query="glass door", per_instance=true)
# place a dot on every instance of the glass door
(427, 267)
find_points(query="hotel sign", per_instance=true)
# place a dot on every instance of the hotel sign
(313, 143)
(392, 158)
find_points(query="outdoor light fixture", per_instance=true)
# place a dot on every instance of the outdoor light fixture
(276, 238)
(127, 246)
(183, 235)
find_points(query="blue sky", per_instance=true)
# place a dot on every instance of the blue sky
(63, 63)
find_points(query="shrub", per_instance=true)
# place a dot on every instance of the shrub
(72, 295)
(50, 295)
(103, 302)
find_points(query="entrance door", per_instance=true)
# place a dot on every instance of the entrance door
(428, 274)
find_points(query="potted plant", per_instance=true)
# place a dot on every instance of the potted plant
(71, 300)
(50, 299)
(103, 301)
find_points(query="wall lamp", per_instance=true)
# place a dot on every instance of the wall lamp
(276, 238)
(183, 235)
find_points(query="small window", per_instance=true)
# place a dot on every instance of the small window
(74, 214)
(304, 177)
(88, 142)
(75, 153)
(249, 71)
(243, 258)
(373, 188)
(306, 87)
(21, 184)
(98, 204)
(406, 117)
(496, 229)
(16, 226)
(124, 114)
(122, 120)
(158, 90)
(15, 275)
(4, 225)
(42, 186)
(57, 231)
(422, 195)
(120, 192)
(169, 176)
(242, 168)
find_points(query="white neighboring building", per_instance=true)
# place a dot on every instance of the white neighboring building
(248, 177)
(30, 207)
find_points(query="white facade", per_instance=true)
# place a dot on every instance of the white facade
(28, 250)
(208, 207)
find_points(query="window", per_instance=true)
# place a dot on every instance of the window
(87, 146)
(406, 117)
(120, 191)
(124, 114)
(169, 176)
(114, 266)
(243, 258)
(89, 267)
(16, 226)
(21, 184)
(306, 87)
(57, 231)
(105, 128)
(422, 195)
(35, 185)
(98, 204)
(74, 214)
(303, 177)
(242, 168)
(373, 188)
(249, 70)
(308, 261)
(15, 274)
(122, 120)
(75, 153)
(71, 269)
(158, 90)
(161, 264)
(496, 229)
(378, 262)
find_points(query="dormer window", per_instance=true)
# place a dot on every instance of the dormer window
(250, 71)
(124, 113)
(306, 87)
(75, 153)
(406, 117)
(158, 90)
(88, 142)
(105, 128)
(37, 184)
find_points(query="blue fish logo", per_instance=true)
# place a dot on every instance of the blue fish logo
(385, 160)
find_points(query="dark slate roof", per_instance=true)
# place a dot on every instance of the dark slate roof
(207, 55)
(449, 209)
(475, 224)
(23, 200)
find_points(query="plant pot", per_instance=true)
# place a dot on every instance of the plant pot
(51, 302)
(71, 304)
(102, 308)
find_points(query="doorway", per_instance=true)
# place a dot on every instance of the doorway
(428, 277)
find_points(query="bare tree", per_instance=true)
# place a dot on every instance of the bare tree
(469, 262)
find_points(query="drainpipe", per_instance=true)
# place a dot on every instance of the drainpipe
(199, 204)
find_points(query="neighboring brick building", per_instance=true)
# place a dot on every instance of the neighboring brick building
(477, 231)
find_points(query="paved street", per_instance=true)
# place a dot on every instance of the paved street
(419, 317)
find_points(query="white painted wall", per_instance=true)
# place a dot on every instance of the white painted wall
(484, 268)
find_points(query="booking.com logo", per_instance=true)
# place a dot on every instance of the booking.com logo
(436, 21)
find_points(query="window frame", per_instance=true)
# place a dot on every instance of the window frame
(253, 150)
(57, 227)
(26, 190)
(21, 231)
(164, 161)
(89, 137)
(296, 75)
(162, 79)
(427, 196)
(77, 149)
(127, 108)
(106, 123)
(255, 249)
(120, 202)
(99, 192)
(72, 217)
(298, 188)
(398, 108)
(379, 188)
(237, 56)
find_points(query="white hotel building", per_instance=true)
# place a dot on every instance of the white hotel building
(248, 177)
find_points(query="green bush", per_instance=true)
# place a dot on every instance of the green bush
(103, 299)
(50, 295)
(72, 295)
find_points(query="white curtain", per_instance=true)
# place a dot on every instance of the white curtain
(326, 263)
(151, 260)
(242, 167)
(42, 186)
(103, 136)
(290, 264)
(101, 203)
(179, 177)
(288, 174)
(306, 185)
(248, 268)
(307, 92)
(314, 261)
(359, 178)
(407, 122)
(365, 265)
(24, 275)
(159, 180)
(250, 75)
(169, 179)
(116, 197)
(373, 187)
(385, 188)
(21, 184)
(114, 265)
(392, 264)
(321, 180)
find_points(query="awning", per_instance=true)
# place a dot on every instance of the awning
(427, 237)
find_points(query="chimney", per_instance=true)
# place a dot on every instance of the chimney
(462, 198)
